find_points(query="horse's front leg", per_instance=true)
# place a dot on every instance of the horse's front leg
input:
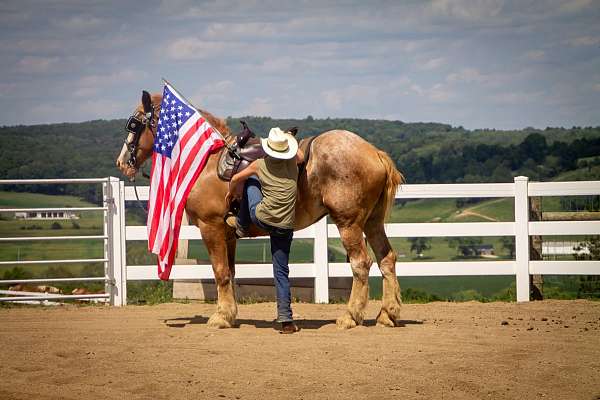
(218, 244)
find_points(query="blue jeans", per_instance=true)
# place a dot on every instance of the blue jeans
(281, 241)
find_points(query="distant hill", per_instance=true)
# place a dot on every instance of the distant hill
(425, 152)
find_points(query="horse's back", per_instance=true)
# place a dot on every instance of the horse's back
(344, 175)
(343, 155)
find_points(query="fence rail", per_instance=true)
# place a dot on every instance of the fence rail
(117, 233)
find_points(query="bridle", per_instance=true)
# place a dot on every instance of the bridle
(137, 123)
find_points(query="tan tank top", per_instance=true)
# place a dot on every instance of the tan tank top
(278, 179)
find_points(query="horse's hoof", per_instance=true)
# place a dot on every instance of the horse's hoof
(217, 321)
(383, 319)
(346, 322)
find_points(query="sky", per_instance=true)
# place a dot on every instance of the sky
(473, 63)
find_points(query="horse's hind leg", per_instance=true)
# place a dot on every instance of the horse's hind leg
(389, 314)
(354, 243)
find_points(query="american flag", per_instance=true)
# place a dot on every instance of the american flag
(183, 142)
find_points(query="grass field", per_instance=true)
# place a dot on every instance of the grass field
(258, 251)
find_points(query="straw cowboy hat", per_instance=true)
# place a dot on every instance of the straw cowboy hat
(280, 145)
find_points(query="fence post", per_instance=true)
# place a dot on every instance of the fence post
(321, 261)
(522, 238)
(115, 201)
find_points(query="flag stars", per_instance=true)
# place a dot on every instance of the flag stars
(173, 115)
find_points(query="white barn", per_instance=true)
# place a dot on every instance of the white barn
(46, 215)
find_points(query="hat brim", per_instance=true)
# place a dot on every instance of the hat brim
(282, 155)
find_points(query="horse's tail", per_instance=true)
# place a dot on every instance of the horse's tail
(393, 179)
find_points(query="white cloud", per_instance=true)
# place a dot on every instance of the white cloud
(44, 112)
(584, 41)
(6, 89)
(536, 55)
(468, 75)
(359, 96)
(215, 94)
(515, 98)
(124, 75)
(439, 93)
(417, 89)
(34, 64)
(279, 65)
(100, 108)
(574, 6)
(332, 99)
(432, 64)
(90, 85)
(194, 48)
(467, 9)
(81, 23)
(259, 106)
(241, 31)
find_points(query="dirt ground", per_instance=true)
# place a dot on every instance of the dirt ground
(547, 349)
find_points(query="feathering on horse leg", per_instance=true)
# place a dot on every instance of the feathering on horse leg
(389, 314)
(226, 312)
(360, 262)
(217, 247)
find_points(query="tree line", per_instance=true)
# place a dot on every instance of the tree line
(424, 152)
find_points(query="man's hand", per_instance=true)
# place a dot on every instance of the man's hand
(236, 185)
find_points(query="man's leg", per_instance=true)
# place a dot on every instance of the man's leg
(280, 250)
(250, 198)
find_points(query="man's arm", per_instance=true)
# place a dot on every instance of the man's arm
(236, 184)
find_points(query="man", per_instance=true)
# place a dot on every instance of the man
(268, 200)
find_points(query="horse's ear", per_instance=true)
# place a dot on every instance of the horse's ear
(292, 131)
(146, 102)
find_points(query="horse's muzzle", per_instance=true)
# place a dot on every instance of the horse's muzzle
(126, 169)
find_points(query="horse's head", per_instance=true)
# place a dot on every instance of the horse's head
(141, 129)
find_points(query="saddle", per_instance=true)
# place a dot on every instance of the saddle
(246, 149)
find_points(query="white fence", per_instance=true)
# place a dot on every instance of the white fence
(112, 237)
(320, 269)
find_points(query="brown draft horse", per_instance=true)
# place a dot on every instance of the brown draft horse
(346, 177)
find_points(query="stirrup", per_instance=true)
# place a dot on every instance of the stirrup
(231, 220)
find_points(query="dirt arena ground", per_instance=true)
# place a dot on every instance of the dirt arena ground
(547, 349)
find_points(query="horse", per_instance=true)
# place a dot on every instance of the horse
(345, 177)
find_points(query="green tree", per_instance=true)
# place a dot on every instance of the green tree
(419, 244)
(508, 244)
(589, 285)
(467, 246)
